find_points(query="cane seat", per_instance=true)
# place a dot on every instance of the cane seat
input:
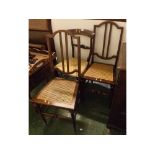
(73, 65)
(58, 92)
(100, 71)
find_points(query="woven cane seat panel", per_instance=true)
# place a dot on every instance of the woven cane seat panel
(59, 92)
(100, 71)
(73, 64)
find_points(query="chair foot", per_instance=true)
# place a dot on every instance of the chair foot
(82, 89)
(111, 96)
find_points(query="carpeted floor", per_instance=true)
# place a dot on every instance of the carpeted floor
(91, 118)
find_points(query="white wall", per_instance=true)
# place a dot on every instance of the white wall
(58, 24)
(82, 24)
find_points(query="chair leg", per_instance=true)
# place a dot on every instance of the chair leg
(82, 88)
(39, 109)
(111, 95)
(73, 115)
(35, 107)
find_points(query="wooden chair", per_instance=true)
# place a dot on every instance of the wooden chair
(60, 93)
(86, 45)
(106, 48)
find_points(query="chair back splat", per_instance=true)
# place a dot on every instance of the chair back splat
(105, 54)
(74, 48)
(109, 34)
(63, 38)
(83, 33)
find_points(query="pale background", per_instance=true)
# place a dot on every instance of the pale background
(14, 138)
(64, 24)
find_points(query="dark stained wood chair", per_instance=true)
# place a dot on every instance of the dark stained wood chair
(86, 45)
(106, 48)
(61, 93)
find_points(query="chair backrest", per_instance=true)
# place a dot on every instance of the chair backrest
(64, 42)
(89, 35)
(108, 34)
(38, 28)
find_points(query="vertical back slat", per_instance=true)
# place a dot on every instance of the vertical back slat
(119, 46)
(104, 39)
(67, 58)
(79, 57)
(90, 51)
(93, 47)
(109, 38)
(50, 54)
(62, 56)
(72, 47)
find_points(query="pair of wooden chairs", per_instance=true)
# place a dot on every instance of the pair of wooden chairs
(64, 91)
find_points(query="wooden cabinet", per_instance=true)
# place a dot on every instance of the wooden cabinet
(38, 29)
(40, 75)
(117, 116)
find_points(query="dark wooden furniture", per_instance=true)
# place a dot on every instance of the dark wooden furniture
(36, 61)
(39, 69)
(61, 93)
(117, 117)
(38, 28)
